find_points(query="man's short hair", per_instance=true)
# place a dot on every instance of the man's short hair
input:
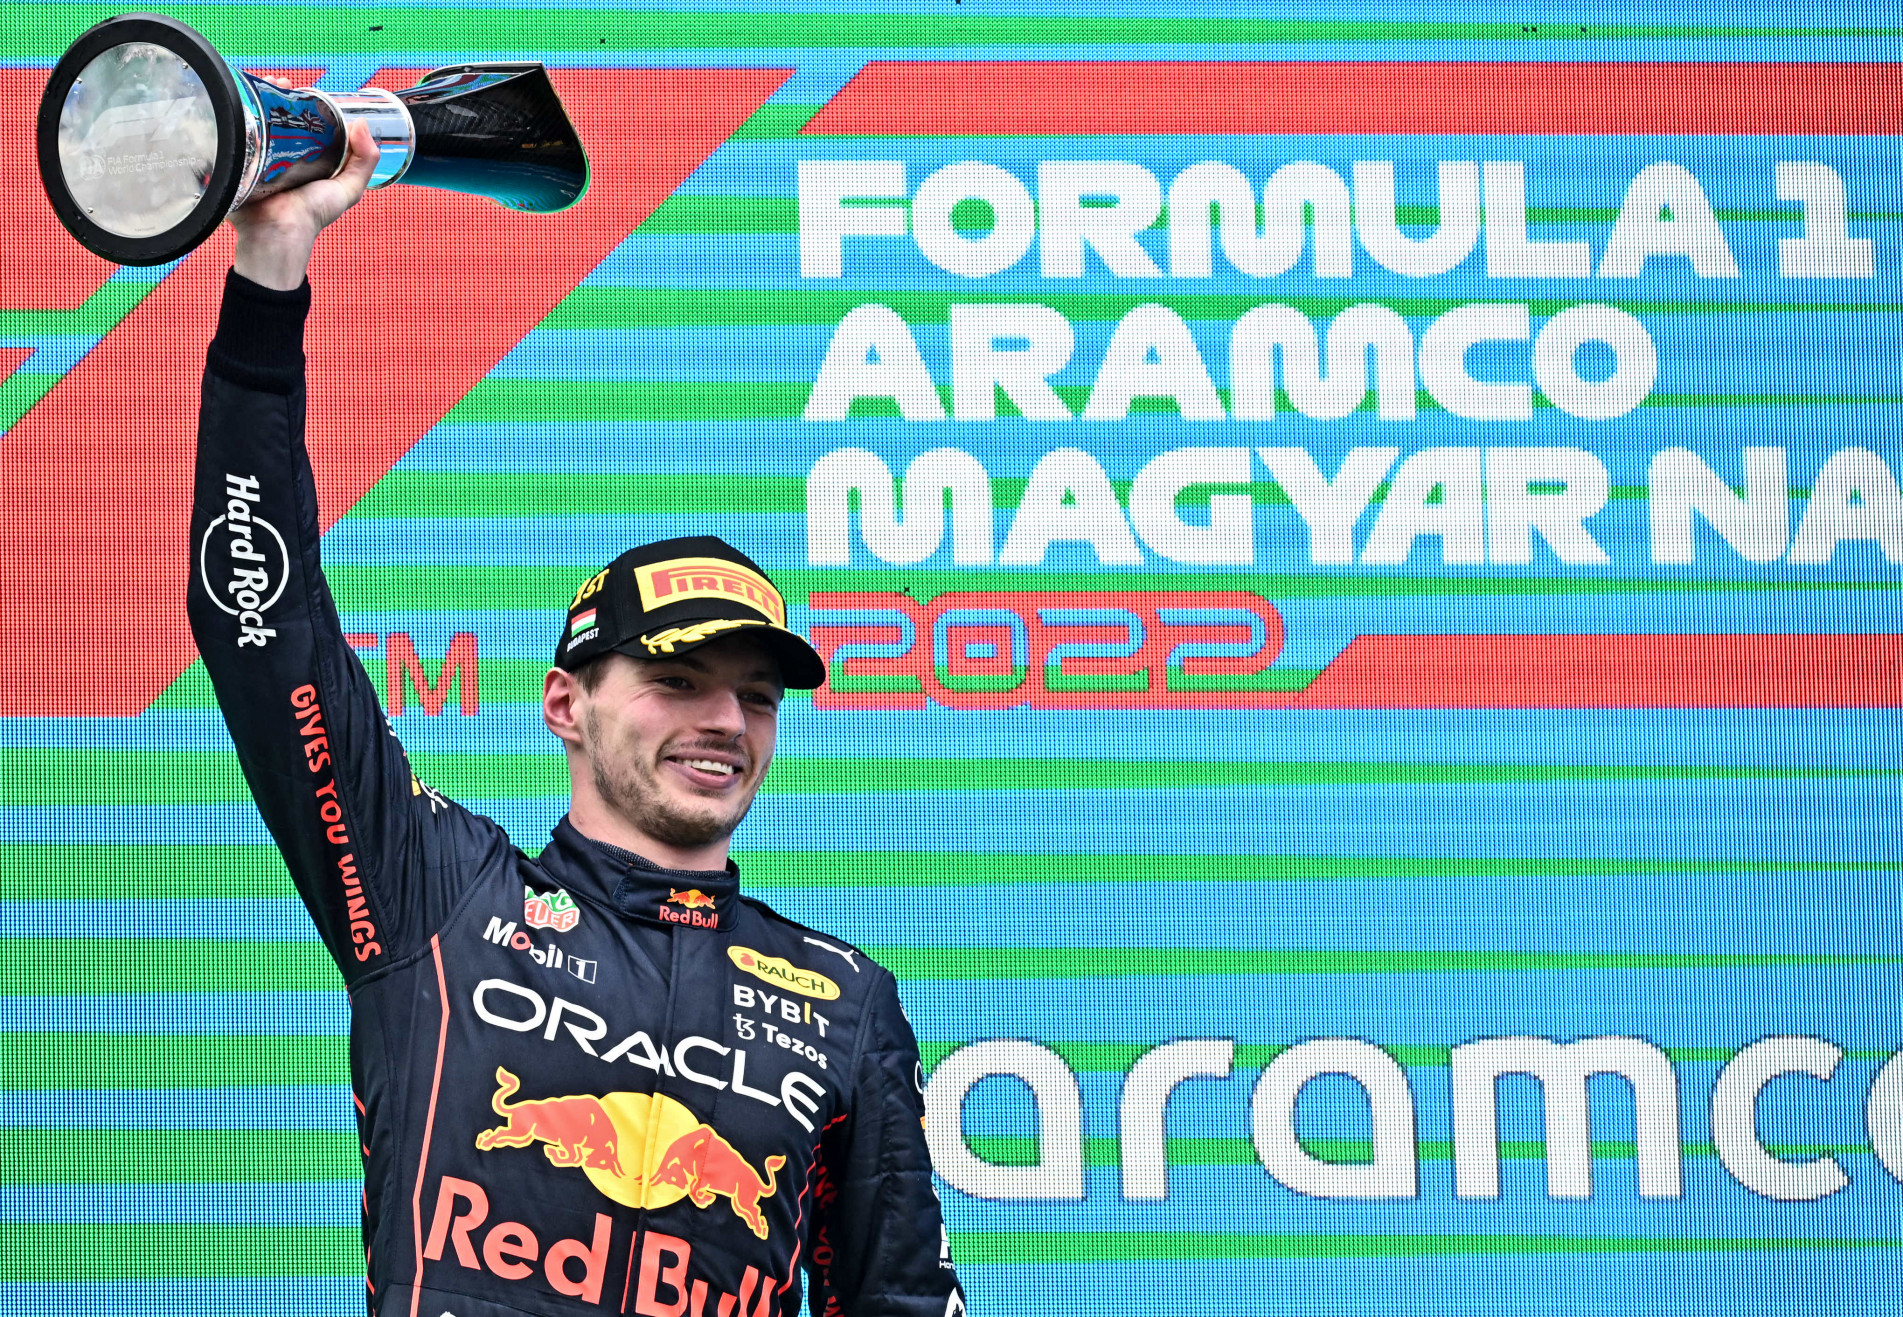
(592, 673)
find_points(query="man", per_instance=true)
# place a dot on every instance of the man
(601, 1080)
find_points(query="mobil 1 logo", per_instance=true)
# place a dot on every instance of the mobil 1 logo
(242, 561)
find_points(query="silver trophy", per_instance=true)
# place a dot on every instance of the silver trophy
(147, 139)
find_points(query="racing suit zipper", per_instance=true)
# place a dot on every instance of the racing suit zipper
(649, 1152)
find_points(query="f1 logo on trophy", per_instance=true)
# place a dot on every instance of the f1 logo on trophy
(147, 139)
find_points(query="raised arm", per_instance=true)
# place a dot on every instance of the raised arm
(357, 831)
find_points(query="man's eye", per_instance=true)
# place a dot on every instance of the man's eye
(673, 683)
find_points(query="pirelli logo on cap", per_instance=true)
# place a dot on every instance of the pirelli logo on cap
(670, 582)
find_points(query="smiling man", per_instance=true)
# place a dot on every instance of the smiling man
(600, 1079)
(667, 752)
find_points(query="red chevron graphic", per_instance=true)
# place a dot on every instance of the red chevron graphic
(1612, 672)
(418, 295)
(981, 98)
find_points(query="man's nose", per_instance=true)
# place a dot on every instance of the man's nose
(719, 711)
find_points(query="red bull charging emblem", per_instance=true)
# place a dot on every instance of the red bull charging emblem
(640, 1149)
(698, 908)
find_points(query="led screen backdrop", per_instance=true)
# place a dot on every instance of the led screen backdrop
(1358, 551)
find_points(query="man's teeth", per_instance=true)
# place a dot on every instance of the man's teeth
(710, 766)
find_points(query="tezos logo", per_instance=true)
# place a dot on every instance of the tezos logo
(251, 559)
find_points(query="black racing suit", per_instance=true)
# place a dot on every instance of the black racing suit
(584, 1084)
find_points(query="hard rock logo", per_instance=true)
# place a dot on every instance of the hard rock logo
(640, 1149)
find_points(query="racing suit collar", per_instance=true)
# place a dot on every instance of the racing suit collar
(637, 887)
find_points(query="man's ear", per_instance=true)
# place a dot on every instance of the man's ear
(561, 706)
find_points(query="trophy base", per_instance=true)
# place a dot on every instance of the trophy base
(141, 139)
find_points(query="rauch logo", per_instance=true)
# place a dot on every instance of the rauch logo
(784, 973)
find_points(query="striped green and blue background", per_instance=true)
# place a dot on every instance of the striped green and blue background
(175, 1129)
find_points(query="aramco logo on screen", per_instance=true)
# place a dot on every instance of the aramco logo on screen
(1387, 1165)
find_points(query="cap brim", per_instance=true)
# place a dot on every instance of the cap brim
(801, 667)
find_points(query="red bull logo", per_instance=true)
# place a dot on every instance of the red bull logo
(705, 1165)
(509, 1248)
(640, 1149)
(577, 1130)
(461, 1232)
(667, 1260)
(699, 912)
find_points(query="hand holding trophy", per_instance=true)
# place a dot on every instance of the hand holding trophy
(147, 139)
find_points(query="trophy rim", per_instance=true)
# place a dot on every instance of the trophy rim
(227, 112)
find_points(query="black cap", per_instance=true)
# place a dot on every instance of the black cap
(673, 596)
